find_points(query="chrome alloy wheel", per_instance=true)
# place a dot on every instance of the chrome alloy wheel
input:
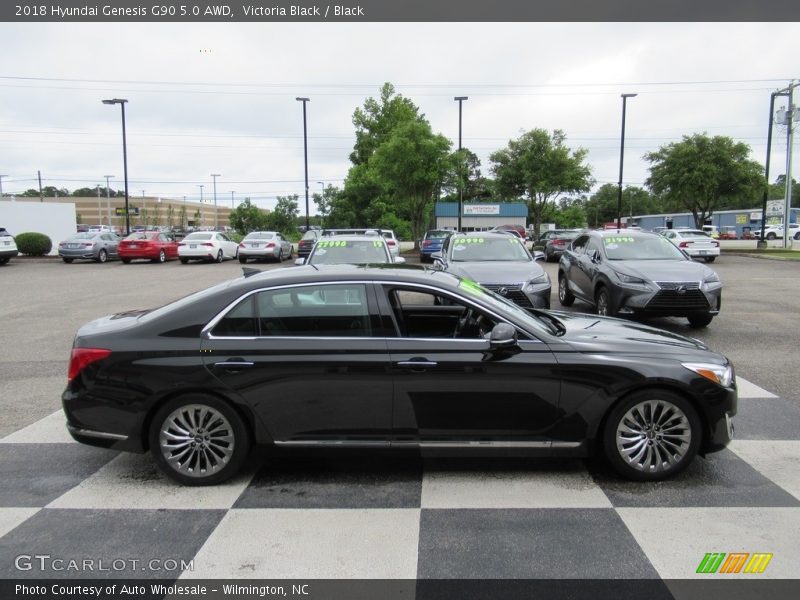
(196, 440)
(653, 436)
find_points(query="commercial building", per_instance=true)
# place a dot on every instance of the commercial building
(743, 220)
(480, 216)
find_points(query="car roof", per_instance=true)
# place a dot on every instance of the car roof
(489, 234)
(389, 272)
(605, 233)
(355, 238)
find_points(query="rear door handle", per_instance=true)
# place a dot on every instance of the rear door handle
(417, 366)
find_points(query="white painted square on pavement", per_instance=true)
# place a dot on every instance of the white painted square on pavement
(12, 517)
(52, 429)
(311, 544)
(675, 540)
(778, 460)
(747, 389)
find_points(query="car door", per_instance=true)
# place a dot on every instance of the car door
(307, 360)
(454, 391)
(574, 270)
(111, 244)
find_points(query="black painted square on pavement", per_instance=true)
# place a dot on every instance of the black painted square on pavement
(720, 479)
(378, 481)
(528, 544)
(103, 544)
(37, 474)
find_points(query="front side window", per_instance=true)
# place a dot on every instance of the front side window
(338, 310)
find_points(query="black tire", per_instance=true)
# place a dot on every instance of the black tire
(126, 261)
(220, 256)
(709, 259)
(67, 260)
(771, 235)
(102, 256)
(602, 303)
(565, 297)
(242, 259)
(699, 321)
(651, 454)
(797, 235)
(184, 261)
(217, 444)
(4, 260)
(162, 256)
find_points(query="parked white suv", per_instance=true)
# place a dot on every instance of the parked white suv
(772, 232)
(8, 247)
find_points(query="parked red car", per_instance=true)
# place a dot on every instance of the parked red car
(151, 245)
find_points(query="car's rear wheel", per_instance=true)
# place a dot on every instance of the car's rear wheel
(220, 256)
(242, 259)
(102, 256)
(162, 256)
(199, 440)
(565, 297)
(602, 302)
(698, 321)
(184, 261)
(710, 259)
(651, 435)
(771, 235)
(67, 260)
(126, 261)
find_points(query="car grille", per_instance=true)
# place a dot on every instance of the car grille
(678, 294)
(512, 292)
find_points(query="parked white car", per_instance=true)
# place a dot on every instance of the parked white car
(772, 232)
(207, 245)
(270, 245)
(696, 243)
(8, 247)
(391, 242)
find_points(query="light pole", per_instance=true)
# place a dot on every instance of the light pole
(99, 207)
(121, 102)
(216, 214)
(305, 152)
(143, 212)
(322, 199)
(621, 157)
(108, 198)
(231, 199)
(460, 100)
(201, 192)
(787, 117)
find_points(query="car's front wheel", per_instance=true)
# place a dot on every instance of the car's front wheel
(162, 256)
(102, 256)
(651, 435)
(199, 440)
(184, 260)
(710, 259)
(602, 302)
(67, 260)
(565, 297)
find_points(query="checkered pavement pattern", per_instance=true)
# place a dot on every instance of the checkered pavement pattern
(392, 517)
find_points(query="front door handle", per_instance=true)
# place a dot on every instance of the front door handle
(417, 366)
(234, 365)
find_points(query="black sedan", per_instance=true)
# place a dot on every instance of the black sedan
(637, 273)
(390, 356)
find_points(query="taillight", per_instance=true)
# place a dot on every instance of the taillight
(715, 244)
(208, 244)
(683, 245)
(88, 244)
(270, 245)
(426, 243)
(559, 242)
(241, 245)
(82, 358)
(390, 242)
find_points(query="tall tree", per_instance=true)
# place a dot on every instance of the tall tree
(539, 167)
(411, 166)
(245, 218)
(702, 174)
(282, 218)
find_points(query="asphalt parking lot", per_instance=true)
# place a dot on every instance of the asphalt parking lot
(378, 517)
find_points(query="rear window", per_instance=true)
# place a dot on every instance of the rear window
(198, 236)
(436, 234)
(260, 235)
(310, 235)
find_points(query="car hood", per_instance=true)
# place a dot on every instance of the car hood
(662, 270)
(497, 271)
(588, 333)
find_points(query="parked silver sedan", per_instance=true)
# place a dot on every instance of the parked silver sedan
(93, 245)
(269, 245)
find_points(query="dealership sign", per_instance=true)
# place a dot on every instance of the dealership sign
(481, 209)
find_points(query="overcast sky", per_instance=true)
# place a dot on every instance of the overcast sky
(220, 98)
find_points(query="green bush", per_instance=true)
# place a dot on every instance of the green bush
(33, 244)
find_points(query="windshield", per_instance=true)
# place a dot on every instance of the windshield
(628, 247)
(260, 235)
(358, 252)
(500, 249)
(522, 316)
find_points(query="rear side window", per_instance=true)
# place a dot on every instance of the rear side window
(339, 310)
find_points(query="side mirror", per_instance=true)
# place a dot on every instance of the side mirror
(502, 335)
(399, 260)
(438, 260)
(300, 261)
(537, 255)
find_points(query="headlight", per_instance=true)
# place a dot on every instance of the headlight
(630, 279)
(719, 374)
(712, 278)
(542, 279)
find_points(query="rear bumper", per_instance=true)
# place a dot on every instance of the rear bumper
(8, 253)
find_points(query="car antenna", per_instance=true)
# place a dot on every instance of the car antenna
(249, 271)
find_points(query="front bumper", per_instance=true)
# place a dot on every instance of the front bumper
(675, 301)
